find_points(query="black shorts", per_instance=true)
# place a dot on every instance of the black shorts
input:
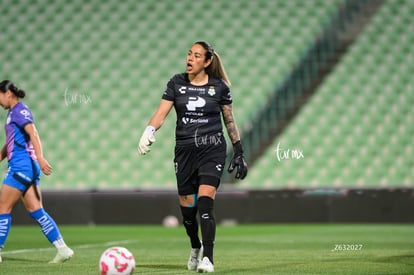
(198, 165)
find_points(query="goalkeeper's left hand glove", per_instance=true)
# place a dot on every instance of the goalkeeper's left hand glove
(238, 161)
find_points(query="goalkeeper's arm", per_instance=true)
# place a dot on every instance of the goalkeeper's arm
(147, 137)
(238, 162)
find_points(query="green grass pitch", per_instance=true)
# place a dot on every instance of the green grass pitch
(242, 249)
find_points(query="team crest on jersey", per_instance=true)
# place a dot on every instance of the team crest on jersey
(211, 91)
(8, 120)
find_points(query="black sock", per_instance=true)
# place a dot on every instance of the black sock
(191, 225)
(208, 225)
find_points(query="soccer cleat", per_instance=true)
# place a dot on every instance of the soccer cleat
(63, 254)
(195, 256)
(205, 266)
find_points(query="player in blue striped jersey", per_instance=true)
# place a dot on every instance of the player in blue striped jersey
(23, 151)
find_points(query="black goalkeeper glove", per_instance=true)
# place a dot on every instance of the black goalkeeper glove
(238, 161)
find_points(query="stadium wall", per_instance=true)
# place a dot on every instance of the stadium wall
(235, 207)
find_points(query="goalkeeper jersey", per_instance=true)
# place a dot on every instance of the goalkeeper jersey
(20, 150)
(198, 109)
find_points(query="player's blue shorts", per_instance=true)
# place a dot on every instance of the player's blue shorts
(23, 178)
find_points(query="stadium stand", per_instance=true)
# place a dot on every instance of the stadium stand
(94, 72)
(357, 129)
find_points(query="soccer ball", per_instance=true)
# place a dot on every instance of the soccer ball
(170, 221)
(116, 260)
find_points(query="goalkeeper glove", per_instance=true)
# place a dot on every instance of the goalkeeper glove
(238, 161)
(146, 140)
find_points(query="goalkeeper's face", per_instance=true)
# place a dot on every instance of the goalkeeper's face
(196, 60)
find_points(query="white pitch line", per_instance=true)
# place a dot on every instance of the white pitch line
(83, 246)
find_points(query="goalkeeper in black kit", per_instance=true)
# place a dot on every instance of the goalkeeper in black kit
(200, 97)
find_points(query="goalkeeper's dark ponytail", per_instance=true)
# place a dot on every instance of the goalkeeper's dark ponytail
(7, 85)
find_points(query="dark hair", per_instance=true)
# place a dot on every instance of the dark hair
(208, 48)
(216, 67)
(7, 85)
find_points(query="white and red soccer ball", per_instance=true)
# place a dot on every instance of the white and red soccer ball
(117, 261)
